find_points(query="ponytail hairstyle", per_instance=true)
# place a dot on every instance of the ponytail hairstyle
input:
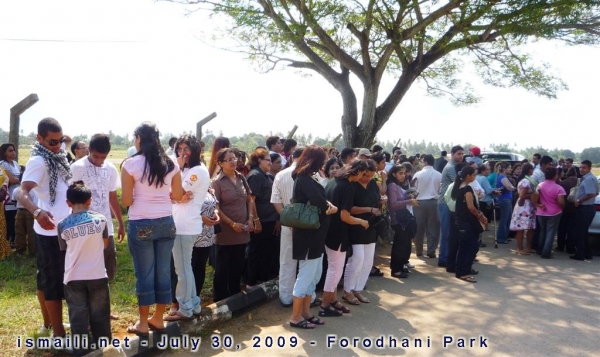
(158, 164)
(352, 169)
(460, 177)
(195, 148)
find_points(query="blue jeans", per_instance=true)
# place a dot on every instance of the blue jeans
(504, 224)
(548, 228)
(89, 309)
(151, 244)
(309, 274)
(444, 214)
(186, 285)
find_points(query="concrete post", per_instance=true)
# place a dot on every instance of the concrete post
(201, 123)
(15, 114)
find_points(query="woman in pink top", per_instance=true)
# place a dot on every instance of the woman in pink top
(150, 180)
(550, 201)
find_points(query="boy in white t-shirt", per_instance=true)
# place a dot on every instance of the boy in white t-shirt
(83, 234)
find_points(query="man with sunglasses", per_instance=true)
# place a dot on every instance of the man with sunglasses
(47, 173)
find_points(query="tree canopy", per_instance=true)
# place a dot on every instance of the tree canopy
(408, 39)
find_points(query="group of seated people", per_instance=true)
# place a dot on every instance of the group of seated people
(183, 212)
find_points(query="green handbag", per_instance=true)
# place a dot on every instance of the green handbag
(300, 215)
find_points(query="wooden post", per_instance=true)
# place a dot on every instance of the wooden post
(291, 134)
(398, 143)
(15, 119)
(201, 123)
(335, 140)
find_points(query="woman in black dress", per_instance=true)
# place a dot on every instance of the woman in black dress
(469, 221)
(309, 244)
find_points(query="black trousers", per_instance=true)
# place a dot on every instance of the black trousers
(585, 215)
(567, 231)
(229, 266)
(467, 248)
(263, 252)
(10, 225)
(400, 249)
(453, 241)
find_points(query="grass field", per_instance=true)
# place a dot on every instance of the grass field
(19, 309)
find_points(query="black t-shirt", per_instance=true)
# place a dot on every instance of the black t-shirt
(462, 210)
(365, 197)
(340, 192)
(261, 187)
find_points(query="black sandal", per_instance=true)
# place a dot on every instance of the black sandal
(329, 312)
(375, 272)
(341, 308)
(474, 272)
(315, 320)
(303, 325)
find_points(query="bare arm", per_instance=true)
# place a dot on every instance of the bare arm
(506, 183)
(278, 207)
(126, 188)
(44, 218)
(349, 219)
(561, 201)
(116, 209)
(176, 187)
(471, 207)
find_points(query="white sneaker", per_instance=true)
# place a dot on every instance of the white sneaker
(409, 266)
(45, 331)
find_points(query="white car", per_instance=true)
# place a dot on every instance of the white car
(595, 226)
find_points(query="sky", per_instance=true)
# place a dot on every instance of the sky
(100, 65)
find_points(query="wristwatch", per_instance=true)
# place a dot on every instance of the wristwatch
(36, 213)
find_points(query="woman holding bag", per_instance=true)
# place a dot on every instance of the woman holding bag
(309, 244)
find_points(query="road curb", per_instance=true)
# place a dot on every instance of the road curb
(211, 316)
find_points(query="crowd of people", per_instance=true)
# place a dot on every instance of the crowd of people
(184, 212)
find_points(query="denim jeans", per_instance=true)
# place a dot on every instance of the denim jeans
(186, 285)
(445, 222)
(89, 309)
(467, 248)
(504, 224)
(151, 245)
(548, 228)
(309, 274)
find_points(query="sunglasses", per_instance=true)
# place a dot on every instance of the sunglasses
(55, 142)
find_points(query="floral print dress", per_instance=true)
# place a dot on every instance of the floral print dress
(523, 217)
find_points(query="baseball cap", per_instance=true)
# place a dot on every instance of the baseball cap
(476, 151)
(364, 151)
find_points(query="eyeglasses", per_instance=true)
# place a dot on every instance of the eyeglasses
(55, 142)
(231, 159)
(81, 148)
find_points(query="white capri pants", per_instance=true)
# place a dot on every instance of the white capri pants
(335, 269)
(359, 266)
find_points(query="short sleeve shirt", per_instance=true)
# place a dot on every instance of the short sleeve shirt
(187, 215)
(232, 202)
(101, 180)
(340, 192)
(549, 192)
(261, 188)
(36, 171)
(589, 184)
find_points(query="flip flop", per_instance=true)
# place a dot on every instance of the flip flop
(303, 325)
(178, 317)
(361, 298)
(315, 320)
(134, 330)
(468, 279)
(329, 312)
(152, 327)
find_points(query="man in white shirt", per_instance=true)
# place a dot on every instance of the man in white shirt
(47, 173)
(102, 178)
(274, 145)
(171, 150)
(427, 183)
(281, 195)
(538, 173)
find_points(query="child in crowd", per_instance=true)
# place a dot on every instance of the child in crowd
(83, 234)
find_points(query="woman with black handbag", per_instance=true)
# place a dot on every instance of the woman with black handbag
(309, 244)
(402, 220)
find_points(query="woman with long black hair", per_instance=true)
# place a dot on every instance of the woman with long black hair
(469, 221)
(150, 180)
(402, 220)
(188, 223)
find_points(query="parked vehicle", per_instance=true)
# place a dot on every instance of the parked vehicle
(595, 226)
(501, 156)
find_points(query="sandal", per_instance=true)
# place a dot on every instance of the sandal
(133, 329)
(375, 272)
(330, 312)
(474, 272)
(361, 298)
(303, 325)
(153, 327)
(350, 298)
(468, 279)
(315, 320)
(178, 316)
(317, 302)
(341, 308)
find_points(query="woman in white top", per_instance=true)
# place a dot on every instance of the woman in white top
(188, 224)
(13, 171)
(150, 180)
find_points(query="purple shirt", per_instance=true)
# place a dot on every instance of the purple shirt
(549, 191)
